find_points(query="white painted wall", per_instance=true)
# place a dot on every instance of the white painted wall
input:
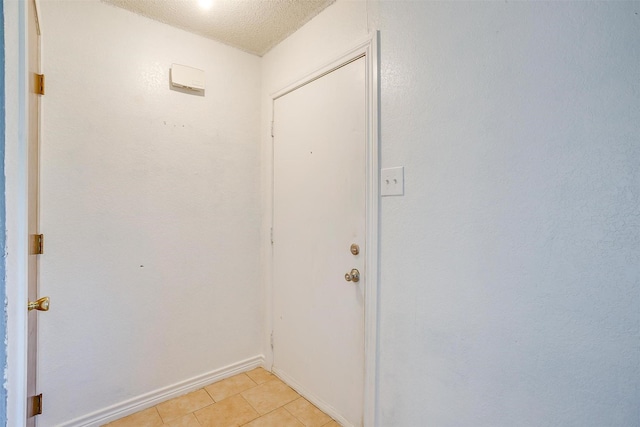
(510, 286)
(511, 268)
(150, 208)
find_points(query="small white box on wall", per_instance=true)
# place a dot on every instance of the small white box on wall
(187, 78)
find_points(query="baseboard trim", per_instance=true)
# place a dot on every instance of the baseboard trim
(147, 400)
(321, 404)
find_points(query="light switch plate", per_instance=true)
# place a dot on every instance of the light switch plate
(392, 181)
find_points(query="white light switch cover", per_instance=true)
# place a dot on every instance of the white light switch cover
(392, 181)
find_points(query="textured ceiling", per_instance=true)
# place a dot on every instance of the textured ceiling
(254, 26)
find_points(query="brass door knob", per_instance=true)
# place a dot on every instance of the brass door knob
(41, 305)
(352, 276)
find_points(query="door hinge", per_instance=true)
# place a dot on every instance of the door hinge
(38, 244)
(272, 133)
(39, 84)
(34, 406)
(271, 235)
(271, 340)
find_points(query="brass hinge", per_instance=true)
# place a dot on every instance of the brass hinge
(38, 244)
(39, 86)
(34, 406)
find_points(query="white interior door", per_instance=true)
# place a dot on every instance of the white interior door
(319, 212)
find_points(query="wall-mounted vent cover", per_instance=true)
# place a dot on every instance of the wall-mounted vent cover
(187, 78)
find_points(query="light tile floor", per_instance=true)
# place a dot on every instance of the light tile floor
(253, 399)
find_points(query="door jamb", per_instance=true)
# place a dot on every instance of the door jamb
(16, 95)
(16, 198)
(367, 48)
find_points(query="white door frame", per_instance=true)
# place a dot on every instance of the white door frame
(368, 49)
(15, 158)
(16, 195)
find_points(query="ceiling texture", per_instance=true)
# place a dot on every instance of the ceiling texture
(254, 26)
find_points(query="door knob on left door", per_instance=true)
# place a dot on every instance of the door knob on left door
(41, 305)
(352, 276)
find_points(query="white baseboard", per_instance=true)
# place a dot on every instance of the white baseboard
(147, 400)
(321, 404)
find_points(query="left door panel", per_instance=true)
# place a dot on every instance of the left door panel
(33, 210)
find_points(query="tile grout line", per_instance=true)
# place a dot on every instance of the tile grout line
(196, 417)
(292, 414)
(260, 416)
(165, 422)
(273, 410)
(205, 389)
(206, 406)
(249, 403)
(232, 395)
(314, 406)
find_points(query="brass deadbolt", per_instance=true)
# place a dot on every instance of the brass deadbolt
(355, 249)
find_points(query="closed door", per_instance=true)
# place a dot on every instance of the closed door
(319, 213)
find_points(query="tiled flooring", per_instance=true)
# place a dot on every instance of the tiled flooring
(253, 399)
